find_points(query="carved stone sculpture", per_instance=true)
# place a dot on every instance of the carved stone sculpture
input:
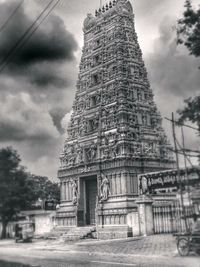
(79, 154)
(91, 152)
(115, 124)
(74, 186)
(104, 188)
(143, 185)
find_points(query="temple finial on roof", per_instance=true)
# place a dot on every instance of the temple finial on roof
(100, 3)
(121, 1)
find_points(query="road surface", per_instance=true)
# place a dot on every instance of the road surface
(64, 255)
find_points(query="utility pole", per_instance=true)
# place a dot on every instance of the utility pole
(185, 163)
(178, 169)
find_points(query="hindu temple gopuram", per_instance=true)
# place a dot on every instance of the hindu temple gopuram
(115, 131)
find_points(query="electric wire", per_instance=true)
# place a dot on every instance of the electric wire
(187, 150)
(35, 29)
(5, 61)
(181, 124)
(191, 150)
(180, 152)
(11, 16)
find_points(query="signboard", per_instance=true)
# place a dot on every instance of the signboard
(50, 205)
(170, 178)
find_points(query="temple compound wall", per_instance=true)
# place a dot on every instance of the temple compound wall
(115, 131)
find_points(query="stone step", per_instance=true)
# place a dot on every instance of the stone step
(79, 233)
(61, 229)
(71, 234)
(56, 233)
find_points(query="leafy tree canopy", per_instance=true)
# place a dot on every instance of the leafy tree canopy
(15, 188)
(188, 34)
(18, 188)
(191, 111)
(44, 188)
(188, 31)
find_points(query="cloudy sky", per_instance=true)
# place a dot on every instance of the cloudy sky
(37, 86)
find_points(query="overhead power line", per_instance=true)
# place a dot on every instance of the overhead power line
(11, 15)
(35, 29)
(188, 150)
(14, 48)
(27, 34)
(181, 124)
(180, 151)
(191, 150)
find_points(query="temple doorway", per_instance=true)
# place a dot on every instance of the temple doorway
(90, 200)
(87, 202)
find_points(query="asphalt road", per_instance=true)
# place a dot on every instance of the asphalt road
(85, 261)
(44, 255)
(74, 259)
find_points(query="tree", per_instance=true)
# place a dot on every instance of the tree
(44, 188)
(191, 111)
(188, 31)
(16, 191)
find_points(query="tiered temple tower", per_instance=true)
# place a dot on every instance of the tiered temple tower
(115, 131)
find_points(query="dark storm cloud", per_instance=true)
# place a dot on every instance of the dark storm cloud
(21, 119)
(34, 86)
(174, 76)
(14, 131)
(171, 68)
(51, 42)
(46, 77)
(10, 132)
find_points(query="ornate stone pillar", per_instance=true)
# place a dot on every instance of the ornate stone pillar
(62, 191)
(65, 191)
(145, 214)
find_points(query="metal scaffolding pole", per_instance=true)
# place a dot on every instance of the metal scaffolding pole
(185, 163)
(178, 170)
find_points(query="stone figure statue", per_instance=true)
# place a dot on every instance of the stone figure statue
(143, 185)
(71, 160)
(74, 191)
(79, 154)
(104, 188)
(115, 149)
(91, 152)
